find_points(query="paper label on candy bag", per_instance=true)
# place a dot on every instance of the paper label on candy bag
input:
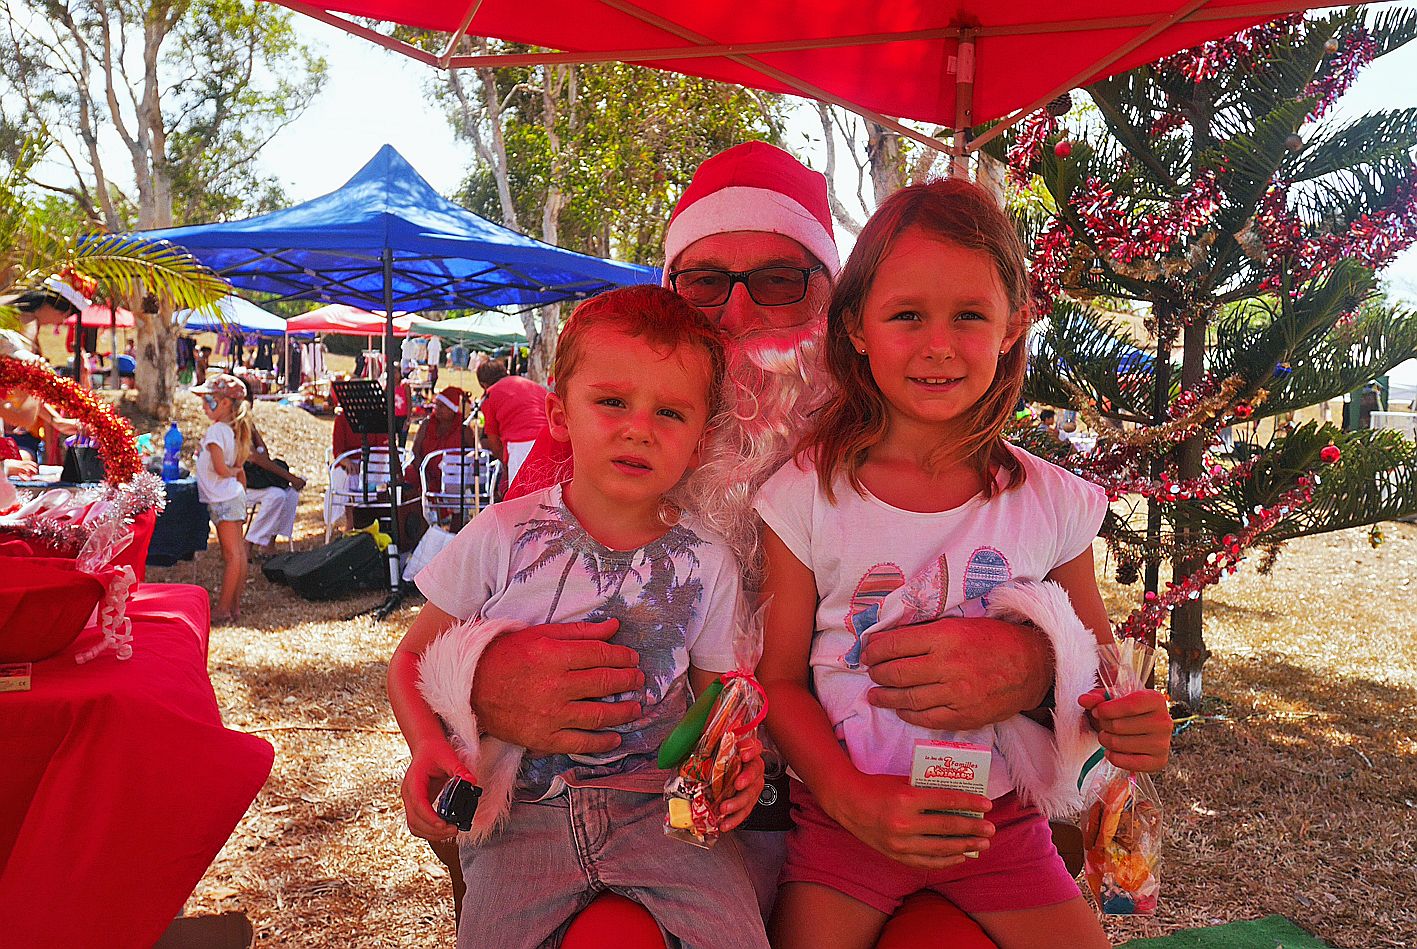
(954, 766)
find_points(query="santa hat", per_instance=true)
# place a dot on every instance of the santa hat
(452, 397)
(754, 187)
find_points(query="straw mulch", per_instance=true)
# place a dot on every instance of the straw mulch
(1296, 794)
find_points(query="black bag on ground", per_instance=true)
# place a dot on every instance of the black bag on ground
(345, 566)
(274, 567)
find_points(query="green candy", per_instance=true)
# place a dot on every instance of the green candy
(685, 736)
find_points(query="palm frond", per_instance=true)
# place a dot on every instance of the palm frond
(128, 265)
(1080, 349)
(1342, 360)
(1392, 28)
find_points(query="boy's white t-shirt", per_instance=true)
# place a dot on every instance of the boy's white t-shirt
(880, 567)
(530, 560)
(212, 488)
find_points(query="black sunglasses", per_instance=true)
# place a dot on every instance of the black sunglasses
(767, 286)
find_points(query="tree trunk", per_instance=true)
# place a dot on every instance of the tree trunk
(887, 162)
(156, 359)
(993, 176)
(1186, 648)
(543, 326)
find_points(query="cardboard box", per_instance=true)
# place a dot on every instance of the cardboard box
(955, 766)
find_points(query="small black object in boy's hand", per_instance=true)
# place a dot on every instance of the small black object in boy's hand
(457, 803)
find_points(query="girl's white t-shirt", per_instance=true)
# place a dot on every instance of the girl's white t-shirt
(880, 567)
(211, 487)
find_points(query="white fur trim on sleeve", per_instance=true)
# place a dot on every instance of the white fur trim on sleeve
(1045, 764)
(445, 672)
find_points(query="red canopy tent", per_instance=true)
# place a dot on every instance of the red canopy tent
(954, 63)
(345, 320)
(99, 315)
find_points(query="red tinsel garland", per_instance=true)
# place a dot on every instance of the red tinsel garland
(1147, 619)
(113, 435)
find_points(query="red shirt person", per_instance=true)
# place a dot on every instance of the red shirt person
(443, 429)
(513, 414)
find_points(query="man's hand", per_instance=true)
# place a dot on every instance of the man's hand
(1135, 729)
(959, 673)
(540, 687)
(747, 788)
(904, 823)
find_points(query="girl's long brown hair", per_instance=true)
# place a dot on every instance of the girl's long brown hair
(242, 427)
(857, 415)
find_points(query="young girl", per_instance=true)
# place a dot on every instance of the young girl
(905, 506)
(221, 484)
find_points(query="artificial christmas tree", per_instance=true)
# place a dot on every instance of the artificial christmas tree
(1208, 194)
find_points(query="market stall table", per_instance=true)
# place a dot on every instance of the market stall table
(182, 528)
(120, 782)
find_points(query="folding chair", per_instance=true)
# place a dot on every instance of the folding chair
(360, 490)
(463, 486)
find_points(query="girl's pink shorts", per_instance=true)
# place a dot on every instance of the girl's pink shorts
(1020, 869)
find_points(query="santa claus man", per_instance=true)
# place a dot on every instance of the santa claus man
(750, 243)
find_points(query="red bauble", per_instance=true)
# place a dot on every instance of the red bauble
(1063, 148)
(1330, 454)
(1244, 410)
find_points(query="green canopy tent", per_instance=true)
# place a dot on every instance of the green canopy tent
(485, 332)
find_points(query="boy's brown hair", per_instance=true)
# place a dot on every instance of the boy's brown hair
(653, 314)
(857, 415)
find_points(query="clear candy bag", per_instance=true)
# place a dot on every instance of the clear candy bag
(1122, 826)
(706, 777)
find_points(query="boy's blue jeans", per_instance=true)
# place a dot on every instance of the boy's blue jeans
(526, 882)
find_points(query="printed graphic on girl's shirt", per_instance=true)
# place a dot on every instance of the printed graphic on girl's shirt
(879, 582)
(884, 590)
(987, 568)
(926, 594)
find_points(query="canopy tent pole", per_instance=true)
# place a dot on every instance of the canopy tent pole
(964, 105)
(113, 343)
(395, 455)
(79, 346)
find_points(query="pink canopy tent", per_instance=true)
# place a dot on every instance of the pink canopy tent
(954, 63)
(100, 316)
(347, 321)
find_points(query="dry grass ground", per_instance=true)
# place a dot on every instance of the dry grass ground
(1297, 796)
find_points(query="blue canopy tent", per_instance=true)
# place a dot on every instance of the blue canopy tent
(387, 241)
(235, 313)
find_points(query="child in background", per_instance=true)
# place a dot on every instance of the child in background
(221, 482)
(637, 373)
(905, 506)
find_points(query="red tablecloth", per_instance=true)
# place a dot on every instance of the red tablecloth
(118, 783)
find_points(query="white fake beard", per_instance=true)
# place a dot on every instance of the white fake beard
(771, 387)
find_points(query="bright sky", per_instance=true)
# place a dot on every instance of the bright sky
(373, 96)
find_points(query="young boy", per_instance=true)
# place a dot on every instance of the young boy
(637, 372)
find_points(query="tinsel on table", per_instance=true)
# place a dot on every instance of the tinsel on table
(114, 437)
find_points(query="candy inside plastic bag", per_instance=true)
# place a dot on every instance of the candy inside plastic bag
(1122, 827)
(706, 778)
